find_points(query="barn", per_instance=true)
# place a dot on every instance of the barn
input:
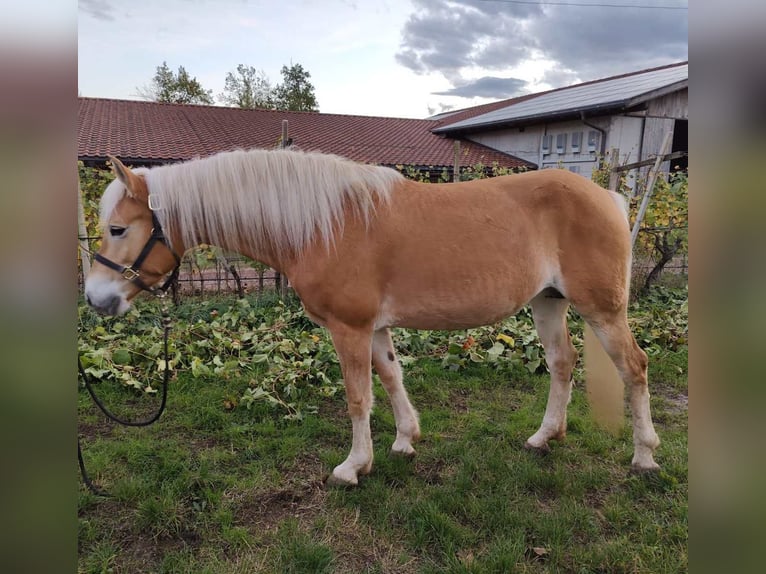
(573, 127)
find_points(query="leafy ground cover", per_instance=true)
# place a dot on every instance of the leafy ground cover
(231, 477)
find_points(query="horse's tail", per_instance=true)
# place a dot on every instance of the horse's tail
(604, 386)
(621, 203)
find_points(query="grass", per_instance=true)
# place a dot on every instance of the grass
(215, 489)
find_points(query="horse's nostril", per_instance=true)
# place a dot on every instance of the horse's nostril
(112, 306)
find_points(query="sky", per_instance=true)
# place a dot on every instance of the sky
(394, 58)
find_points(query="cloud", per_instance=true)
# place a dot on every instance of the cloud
(99, 9)
(577, 43)
(488, 87)
(446, 36)
(598, 43)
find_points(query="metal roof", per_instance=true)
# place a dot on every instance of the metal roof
(617, 92)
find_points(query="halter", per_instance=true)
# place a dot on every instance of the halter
(132, 273)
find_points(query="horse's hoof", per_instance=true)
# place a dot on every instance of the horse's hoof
(645, 470)
(408, 454)
(334, 481)
(543, 449)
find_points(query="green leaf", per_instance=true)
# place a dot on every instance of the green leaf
(121, 357)
(532, 366)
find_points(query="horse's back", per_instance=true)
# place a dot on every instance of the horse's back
(466, 254)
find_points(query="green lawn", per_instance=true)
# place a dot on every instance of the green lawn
(216, 487)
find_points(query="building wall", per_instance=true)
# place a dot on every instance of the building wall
(521, 142)
(625, 134)
(675, 106)
(636, 136)
(527, 143)
(563, 151)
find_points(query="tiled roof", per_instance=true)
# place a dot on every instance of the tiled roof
(615, 92)
(151, 132)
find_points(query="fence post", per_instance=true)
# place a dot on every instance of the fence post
(82, 232)
(279, 281)
(456, 162)
(614, 177)
(649, 188)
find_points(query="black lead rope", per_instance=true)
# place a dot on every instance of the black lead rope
(110, 415)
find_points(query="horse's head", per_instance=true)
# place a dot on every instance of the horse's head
(134, 254)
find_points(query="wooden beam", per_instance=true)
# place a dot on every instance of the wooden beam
(650, 187)
(82, 232)
(456, 163)
(650, 161)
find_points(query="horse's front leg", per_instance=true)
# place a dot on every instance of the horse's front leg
(353, 345)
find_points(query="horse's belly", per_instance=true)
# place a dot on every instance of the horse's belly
(453, 314)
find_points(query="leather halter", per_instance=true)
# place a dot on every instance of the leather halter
(132, 272)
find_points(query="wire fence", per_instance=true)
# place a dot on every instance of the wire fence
(674, 274)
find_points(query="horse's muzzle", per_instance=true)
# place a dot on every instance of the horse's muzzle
(109, 306)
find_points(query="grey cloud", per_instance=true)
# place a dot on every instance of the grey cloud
(447, 36)
(99, 9)
(598, 43)
(432, 111)
(488, 87)
(560, 77)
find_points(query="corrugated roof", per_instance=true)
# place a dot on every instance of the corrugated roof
(154, 132)
(453, 116)
(610, 93)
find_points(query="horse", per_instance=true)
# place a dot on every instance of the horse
(366, 250)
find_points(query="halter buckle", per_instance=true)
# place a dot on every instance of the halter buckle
(129, 274)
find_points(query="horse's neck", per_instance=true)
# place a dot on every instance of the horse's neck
(265, 253)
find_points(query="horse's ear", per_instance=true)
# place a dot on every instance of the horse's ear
(136, 186)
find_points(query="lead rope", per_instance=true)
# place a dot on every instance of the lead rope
(109, 414)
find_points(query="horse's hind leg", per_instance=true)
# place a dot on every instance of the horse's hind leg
(353, 346)
(550, 321)
(631, 362)
(388, 368)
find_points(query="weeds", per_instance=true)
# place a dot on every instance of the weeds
(218, 486)
(290, 363)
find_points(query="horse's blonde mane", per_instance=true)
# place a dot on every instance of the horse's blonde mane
(240, 199)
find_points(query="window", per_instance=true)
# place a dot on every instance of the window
(547, 140)
(574, 168)
(594, 138)
(561, 143)
(576, 141)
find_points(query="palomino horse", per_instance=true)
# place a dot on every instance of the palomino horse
(367, 250)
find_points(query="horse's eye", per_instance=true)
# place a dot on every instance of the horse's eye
(116, 231)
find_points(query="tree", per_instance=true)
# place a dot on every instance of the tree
(177, 88)
(248, 88)
(295, 93)
(664, 232)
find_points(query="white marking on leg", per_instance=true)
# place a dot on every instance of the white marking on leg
(645, 439)
(550, 321)
(359, 460)
(354, 352)
(554, 421)
(390, 372)
(631, 362)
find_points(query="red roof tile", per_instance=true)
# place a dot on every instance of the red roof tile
(151, 132)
